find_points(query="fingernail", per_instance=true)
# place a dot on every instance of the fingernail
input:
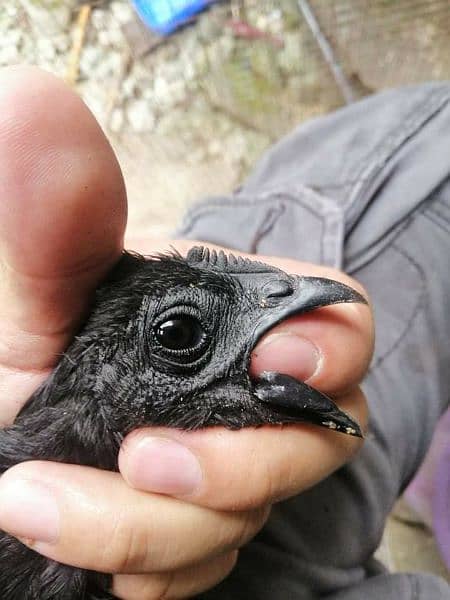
(163, 466)
(29, 510)
(288, 353)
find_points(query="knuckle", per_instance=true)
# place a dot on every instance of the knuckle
(250, 523)
(198, 580)
(165, 588)
(230, 533)
(286, 480)
(177, 584)
(266, 479)
(272, 475)
(127, 548)
(157, 586)
(258, 482)
(229, 562)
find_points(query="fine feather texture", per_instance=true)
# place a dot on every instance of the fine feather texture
(168, 342)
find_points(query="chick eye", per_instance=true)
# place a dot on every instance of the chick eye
(181, 333)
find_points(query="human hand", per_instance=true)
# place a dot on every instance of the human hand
(62, 217)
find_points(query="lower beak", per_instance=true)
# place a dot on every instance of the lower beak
(298, 402)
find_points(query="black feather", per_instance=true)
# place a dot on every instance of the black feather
(168, 342)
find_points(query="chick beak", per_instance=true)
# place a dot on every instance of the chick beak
(289, 398)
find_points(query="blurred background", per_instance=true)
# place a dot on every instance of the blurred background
(190, 112)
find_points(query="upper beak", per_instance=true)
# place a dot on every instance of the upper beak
(300, 295)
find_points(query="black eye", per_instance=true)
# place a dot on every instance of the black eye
(180, 333)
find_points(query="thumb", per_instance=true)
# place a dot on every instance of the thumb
(62, 218)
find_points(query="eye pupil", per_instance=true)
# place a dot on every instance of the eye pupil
(179, 334)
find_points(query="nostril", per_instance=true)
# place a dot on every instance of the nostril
(278, 288)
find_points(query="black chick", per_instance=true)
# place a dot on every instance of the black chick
(168, 342)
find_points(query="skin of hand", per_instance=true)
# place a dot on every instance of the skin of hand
(170, 524)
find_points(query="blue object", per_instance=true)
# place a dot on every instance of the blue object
(164, 16)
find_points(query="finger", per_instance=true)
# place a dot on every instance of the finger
(93, 519)
(172, 585)
(330, 348)
(238, 470)
(62, 217)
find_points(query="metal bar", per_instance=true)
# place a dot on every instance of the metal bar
(327, 52)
